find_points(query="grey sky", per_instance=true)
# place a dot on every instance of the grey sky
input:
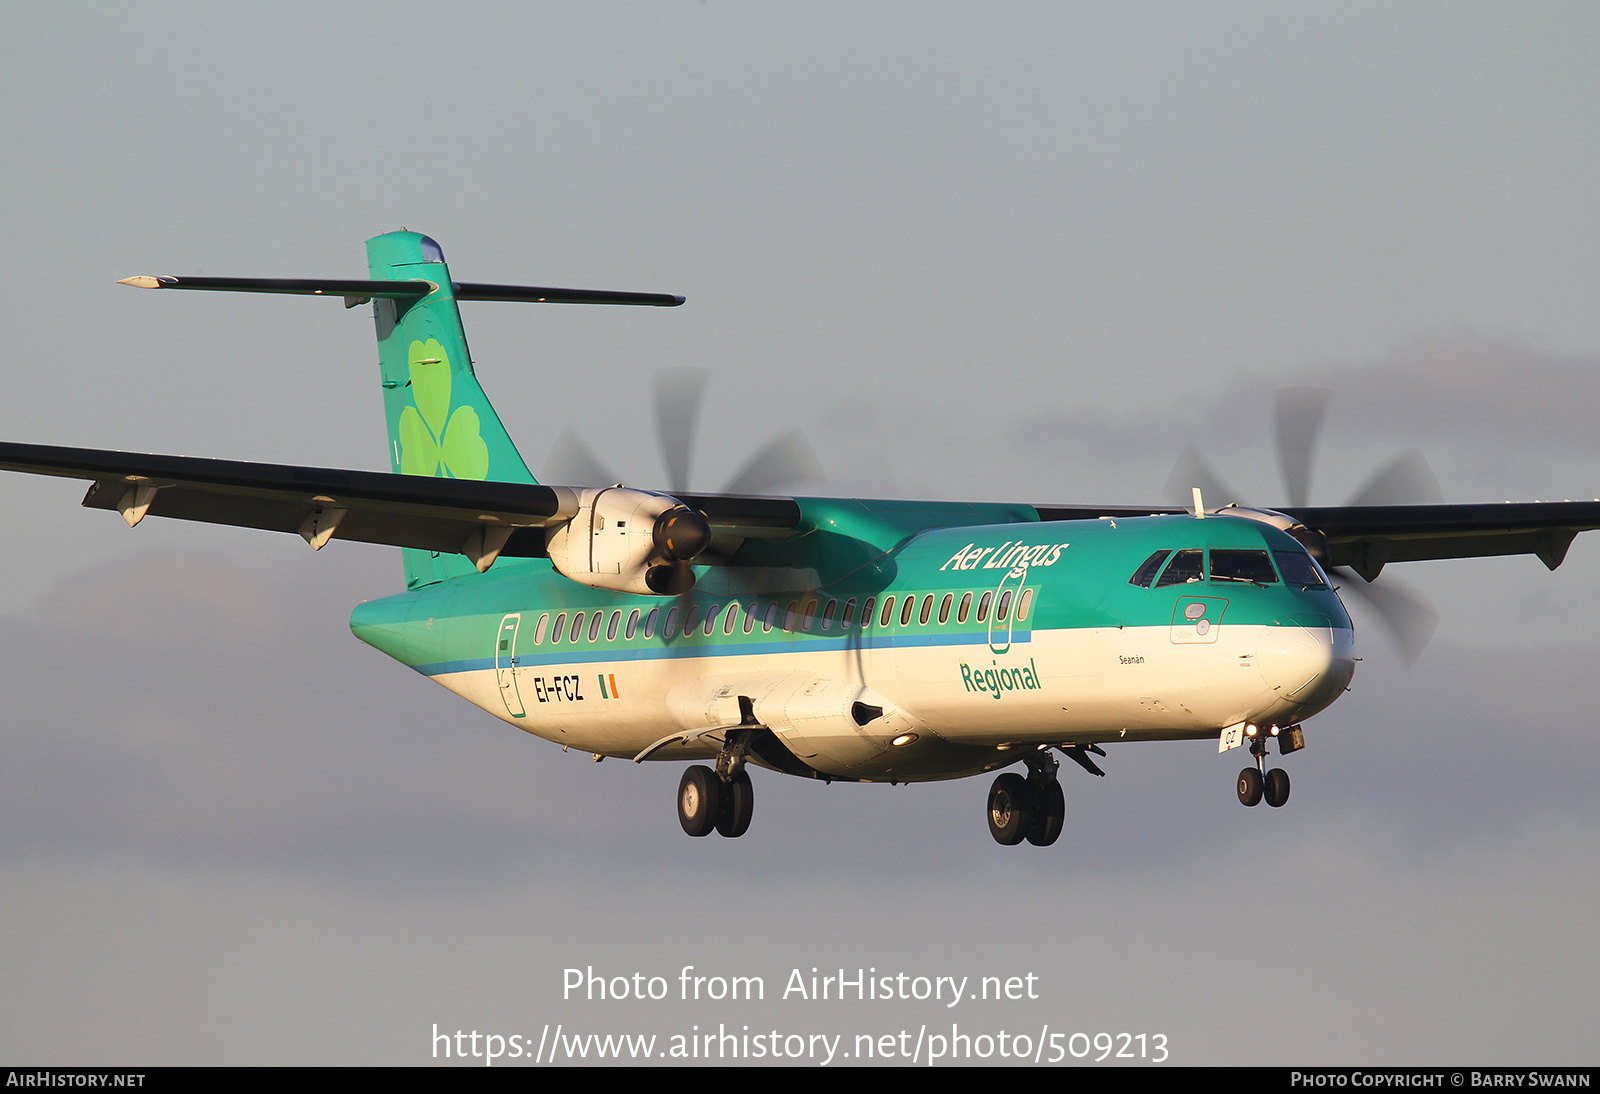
(1022, 252)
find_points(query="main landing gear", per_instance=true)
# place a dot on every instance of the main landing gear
(720, 799)
(1029, 807)
(1256, 783)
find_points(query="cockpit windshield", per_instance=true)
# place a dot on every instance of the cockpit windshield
(1231, 564)
(1299, 568)
(1253, 566)
(1146, 573)
(1187, 566)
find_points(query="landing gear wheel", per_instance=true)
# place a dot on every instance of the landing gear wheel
(1277, 787)
(1250, 787)
(1010, 809)
(738, 803)
(699, 800)
(1049, 814)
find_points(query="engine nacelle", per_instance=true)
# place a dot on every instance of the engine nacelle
(1309, 538)
(629, 541)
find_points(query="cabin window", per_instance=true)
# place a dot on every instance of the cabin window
(849, 613)
(750, 614)
(944, 607)
(1186, 566)
(983, 607)
(866, 611)
(827, 614)
(770, 620)
(907, 607)
(650, 623)
(965, 609)
(671, 624)
(810, 616)
(729, 618)
(611, 627)
(633, 625)
(1300, 568)
(711, 619)
(1024, 602)
(1228, 564)
(594, 625)
(888, 611)
(927, 609)
(1146, 573)
(1000, 608)
(577, 628)
(691, 619)
(556, 631)
(538, 632)
(789, 615)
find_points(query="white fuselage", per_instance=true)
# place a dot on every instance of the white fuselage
(956, 708)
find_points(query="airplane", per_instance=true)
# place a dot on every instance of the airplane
(821, 637)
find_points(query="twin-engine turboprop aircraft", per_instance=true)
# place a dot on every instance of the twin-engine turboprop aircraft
(831, 638)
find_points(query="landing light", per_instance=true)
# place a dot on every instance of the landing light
(1251, 731)
(904, 739)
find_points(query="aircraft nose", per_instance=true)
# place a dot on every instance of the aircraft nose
(1305, 662)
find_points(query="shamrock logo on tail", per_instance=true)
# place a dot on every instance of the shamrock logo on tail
(434, 441)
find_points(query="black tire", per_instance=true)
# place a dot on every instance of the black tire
(1049, 814)
(1249, 787)
(738, 803)
(699, 800)
(1277, 788)
(1010, 809)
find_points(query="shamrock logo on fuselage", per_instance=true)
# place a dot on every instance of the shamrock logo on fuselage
(434, 441)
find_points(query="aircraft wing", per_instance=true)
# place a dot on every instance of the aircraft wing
(1368, 537)
(438, 514)
(432, 514)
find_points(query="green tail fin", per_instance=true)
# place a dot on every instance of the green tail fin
(440, 421)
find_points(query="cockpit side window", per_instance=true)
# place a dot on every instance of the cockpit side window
(1186, 566)
(1299, 568)
(1230, 564)
(1146, 573)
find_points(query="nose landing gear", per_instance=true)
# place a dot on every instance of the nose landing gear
(1250, 783)
(1256, 783)
(1277, 789)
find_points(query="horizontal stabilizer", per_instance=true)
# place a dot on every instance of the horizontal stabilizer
(468, 290)
(361, 291)
(292, 286)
